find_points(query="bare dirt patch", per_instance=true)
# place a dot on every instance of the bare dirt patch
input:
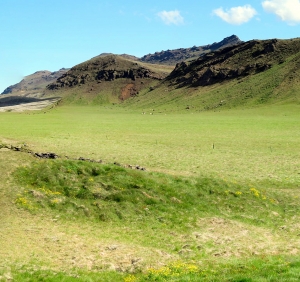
(128, 91)
(65, 246)
(20, 104)
(226, 238)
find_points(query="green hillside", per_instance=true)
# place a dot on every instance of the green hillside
(280, 84)
(250, 74)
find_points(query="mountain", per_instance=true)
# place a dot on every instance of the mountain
(34, 83)
(234, 62)
(104, 68)
(251, 74)
(235, 74)
(172, 57)
(111, 76)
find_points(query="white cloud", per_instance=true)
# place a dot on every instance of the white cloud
(171, 17)
(236, 15)
(286, 10)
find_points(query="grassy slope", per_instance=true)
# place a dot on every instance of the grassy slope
(278, 85)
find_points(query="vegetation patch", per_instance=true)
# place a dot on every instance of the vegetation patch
(246, 270)
(112, 193)
(25, 273)
(261, 269)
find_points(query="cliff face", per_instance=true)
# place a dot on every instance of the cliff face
(232, 62)
(171, 57)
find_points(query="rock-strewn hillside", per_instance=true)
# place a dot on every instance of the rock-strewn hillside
(232, 62)
(104, 68)
(171, 57)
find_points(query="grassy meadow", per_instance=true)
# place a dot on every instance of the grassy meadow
(252, 145)
(219, 200)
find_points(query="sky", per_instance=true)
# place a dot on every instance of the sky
(49, 35)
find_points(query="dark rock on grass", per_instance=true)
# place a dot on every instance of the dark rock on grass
(46, 155)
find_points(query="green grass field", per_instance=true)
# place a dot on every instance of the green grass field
(251, 145)
(219, 200)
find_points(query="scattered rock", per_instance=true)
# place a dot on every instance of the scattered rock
(55, 156)
(37, 194)
(8, 277)
(111, 248)
(185, 251)
(46, 155)
(147, 195)
(135, 260)
(175, 200)
(186, 246)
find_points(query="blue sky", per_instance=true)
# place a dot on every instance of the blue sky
(49, 35)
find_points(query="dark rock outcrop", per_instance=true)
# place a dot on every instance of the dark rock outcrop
(233, 62)
(107, 68)
(46, 155)
(171, 57)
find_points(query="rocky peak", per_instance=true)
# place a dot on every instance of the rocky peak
(171, 57)
(227, 41)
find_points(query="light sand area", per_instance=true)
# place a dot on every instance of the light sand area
(21, 103)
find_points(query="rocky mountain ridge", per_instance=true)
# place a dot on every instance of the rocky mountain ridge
(172, 57)
(104, 68)
(37, 82)
(113, 78)
(233, 62)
